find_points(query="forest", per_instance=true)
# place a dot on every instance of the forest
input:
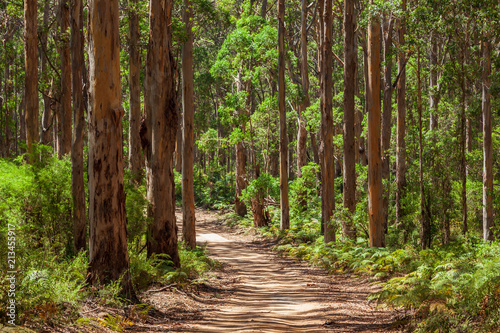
(359, 137)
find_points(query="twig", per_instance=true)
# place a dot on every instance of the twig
(162, 289)
(89, 311)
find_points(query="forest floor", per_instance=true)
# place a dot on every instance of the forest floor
(259, 291)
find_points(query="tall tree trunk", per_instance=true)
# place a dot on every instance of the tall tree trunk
(77, 182)
(188, 213)
(65, 98)
(58, 138)
(178, 146)
(425, 233)
(31, 76)
(401, 120)
(487, 147)
(22, 120)
(326, 149)
(301, 123)
(349, 174)
(134, 140)
(241, 173)
(108, 253)
(363, 158)
(463, 138)
(161, 127)
(387, 114)
(7, 114)
(263, 9)
(285, 209)
(45, 137)
(433, 96)
(291, 150)
(376, 218)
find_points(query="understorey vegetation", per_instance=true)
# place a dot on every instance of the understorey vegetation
(50, 284)
(451, 287)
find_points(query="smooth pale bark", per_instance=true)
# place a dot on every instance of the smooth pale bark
(487, 147)
(326, 149)
(161, 130)
(77, 182)
(65, 97)
(188, 213)
(375, 210)
(108, 253)
(284, 204)
(31, 74)
(349, 174)
(134, 79)
(401, 121)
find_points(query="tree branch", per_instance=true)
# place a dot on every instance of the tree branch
(402, 70)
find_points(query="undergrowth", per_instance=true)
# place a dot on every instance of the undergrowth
(50, 288)
(450, 288)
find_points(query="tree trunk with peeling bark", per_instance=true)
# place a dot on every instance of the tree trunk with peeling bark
(375, 211)
(108, 255)
(77, 182)
(159, 132)
(31, 76)
(349, 174)
(188, 213)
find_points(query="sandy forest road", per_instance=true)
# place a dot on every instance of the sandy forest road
(267, 293)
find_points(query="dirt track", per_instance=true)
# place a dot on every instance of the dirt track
(273, 294)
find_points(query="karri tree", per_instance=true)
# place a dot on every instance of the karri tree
(159, 132)
(108, 255)
(375, 212)
(188, 212)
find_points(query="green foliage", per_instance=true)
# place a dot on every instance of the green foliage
(36, 201)
(136, 206)
(458, 285)
(195, 264)
(265, 185)
(45, 287)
